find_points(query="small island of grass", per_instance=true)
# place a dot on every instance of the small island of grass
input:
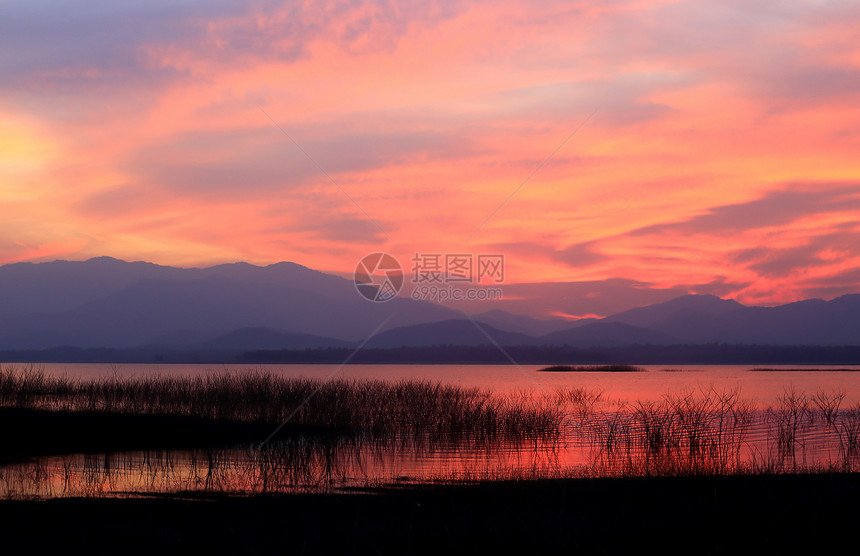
(592, 369)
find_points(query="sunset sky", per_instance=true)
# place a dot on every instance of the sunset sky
(716, 145)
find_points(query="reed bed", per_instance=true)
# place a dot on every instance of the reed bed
(372, 408)
(711, 425)
(359, 432)
(709, 432)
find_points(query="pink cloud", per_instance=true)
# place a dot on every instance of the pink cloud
(721, 156)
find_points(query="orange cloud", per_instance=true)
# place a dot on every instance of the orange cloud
(721, 154)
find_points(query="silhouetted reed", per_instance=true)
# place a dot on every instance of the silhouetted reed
(371, 408)
(709, 433)
(354, 433)
(681, 434)
(844, 424)
(790, 417)
(578, 402)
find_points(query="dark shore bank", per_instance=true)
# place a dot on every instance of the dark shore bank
(690, 515)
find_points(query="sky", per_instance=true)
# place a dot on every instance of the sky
(659, 147)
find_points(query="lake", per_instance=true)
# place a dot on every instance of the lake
(652, 385)
(691, 419)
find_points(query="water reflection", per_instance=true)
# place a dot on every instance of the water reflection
(300, 465)
(706, 432)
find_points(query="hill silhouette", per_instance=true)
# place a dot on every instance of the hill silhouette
(106, 303)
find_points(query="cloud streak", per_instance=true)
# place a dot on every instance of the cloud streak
(721, 157)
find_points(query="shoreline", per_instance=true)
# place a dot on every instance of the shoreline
(702, 514)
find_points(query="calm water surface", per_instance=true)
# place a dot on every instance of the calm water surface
(598, 444)
(760, 388)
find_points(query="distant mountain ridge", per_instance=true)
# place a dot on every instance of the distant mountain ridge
(108, 303)
(708, 319)
(105, 302)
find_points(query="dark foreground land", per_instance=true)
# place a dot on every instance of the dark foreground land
(689, 515)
